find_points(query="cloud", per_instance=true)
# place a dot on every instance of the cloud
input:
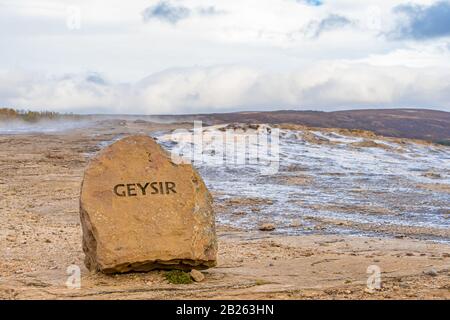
(315, 3)
(421, 22)
(166, 12)
(323, 86)
(96, 78)
(209, 11)
(332, 22)
(69, 92)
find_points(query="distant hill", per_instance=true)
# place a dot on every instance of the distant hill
(423, 124)
(431, 125)
(10, 114)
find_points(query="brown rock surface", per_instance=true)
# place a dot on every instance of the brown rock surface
(267, 227)
(140, 211)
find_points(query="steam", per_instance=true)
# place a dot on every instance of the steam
(42, 126)
(18, 126)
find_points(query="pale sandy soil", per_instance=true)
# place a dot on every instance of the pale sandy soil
(40, 236)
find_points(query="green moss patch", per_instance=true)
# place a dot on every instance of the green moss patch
(178, 277)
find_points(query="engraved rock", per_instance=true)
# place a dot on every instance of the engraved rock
(141, 211)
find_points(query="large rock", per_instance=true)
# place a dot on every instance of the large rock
(140, 211)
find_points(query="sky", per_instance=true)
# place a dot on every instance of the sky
(200, 56)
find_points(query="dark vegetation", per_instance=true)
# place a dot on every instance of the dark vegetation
(33, 116)
(444, 142)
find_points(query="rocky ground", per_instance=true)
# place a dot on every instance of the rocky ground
(40, 237)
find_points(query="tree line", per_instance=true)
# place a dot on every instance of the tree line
(32, 116)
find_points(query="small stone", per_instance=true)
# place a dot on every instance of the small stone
(432, 175)
(431, 272)
(267, 227)
(197, 276)
(369, 291)
(296, 223)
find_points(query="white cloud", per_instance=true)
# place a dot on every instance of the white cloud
(414, 55)
(65, 93)
(325, 86)
(254, 55)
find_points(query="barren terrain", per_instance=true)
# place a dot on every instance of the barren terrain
(40, 236)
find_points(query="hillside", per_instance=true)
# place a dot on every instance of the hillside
(405, 123)
(431, 125)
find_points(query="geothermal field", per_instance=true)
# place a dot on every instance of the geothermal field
(334, 205)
